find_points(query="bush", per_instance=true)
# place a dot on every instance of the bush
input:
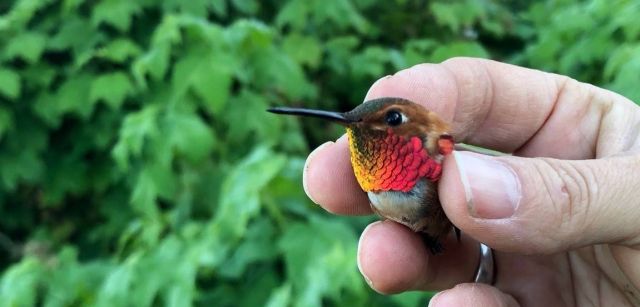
(137, 164)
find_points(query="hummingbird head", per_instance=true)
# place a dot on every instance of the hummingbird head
(393, 142)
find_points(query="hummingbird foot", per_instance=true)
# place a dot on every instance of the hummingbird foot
(456, 230)
(432, 243)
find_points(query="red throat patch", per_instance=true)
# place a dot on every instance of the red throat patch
(396, 163)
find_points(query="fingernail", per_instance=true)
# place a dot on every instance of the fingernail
(432, 301)
(491, 187)
(306, 169)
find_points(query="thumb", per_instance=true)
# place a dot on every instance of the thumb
(543, 205)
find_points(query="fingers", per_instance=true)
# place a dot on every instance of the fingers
(473, 295)
(515, 109)
(488, 103)
(393, 259)
(541, 205)
(329, 181)
(495, 105)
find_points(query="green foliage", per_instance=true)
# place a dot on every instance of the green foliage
(596, 41)
(137, 164)
(10, 81)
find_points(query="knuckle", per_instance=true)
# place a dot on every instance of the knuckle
(628, 195)
(571, 187)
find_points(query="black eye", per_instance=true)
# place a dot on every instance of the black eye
(393, 118)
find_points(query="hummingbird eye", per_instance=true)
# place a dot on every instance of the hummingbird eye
(394, 118)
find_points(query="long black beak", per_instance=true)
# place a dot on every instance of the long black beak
(332, 116)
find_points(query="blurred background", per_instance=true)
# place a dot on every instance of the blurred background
(138, 166)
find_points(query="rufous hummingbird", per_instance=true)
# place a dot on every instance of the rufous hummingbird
(397, 147)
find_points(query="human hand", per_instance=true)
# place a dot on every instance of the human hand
(565, 225)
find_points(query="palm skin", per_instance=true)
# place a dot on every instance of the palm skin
(572, 237)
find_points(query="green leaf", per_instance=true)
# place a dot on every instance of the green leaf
(77, 34)
(25, 167)
(340, 13)
(213, 87)
(248, 37)
(371, 62)
(220, 8)
(239, 198)
(22, 12)
(197, 8)
(339, 52)
(117, 13)
(136, 128)
(456, 15)
(70, 6)
(145, 193)
(274, 70)
(70, 282)
(73, 96)
(79, 280)
(249, 119)
(191, 137)
(27, 46)
(6, 121)
(67, 177)
(249, 7)
(39, 75)
(305, 50)
(626, 18)
(319, 257)
(46, 110)
(257, 247)
(119, 50)
(168, 32)
(208, 76)
(280, 297)
(113, 88)
(116, 287)
(418, 51)
(19, 284)
(294, 13)
(626, 80)
(619, 58)
(154, 63)
(177, 296)
(10, 83)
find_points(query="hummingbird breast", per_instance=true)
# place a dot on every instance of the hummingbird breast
(419, 209)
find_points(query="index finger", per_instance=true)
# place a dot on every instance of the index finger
(490, 104)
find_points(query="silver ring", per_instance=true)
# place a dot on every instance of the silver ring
(486, 268)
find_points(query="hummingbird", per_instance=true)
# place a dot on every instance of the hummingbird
(396, 149)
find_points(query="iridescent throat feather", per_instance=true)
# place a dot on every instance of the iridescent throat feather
(384, 161)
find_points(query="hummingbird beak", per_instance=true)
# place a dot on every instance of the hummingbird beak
(332, 116)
